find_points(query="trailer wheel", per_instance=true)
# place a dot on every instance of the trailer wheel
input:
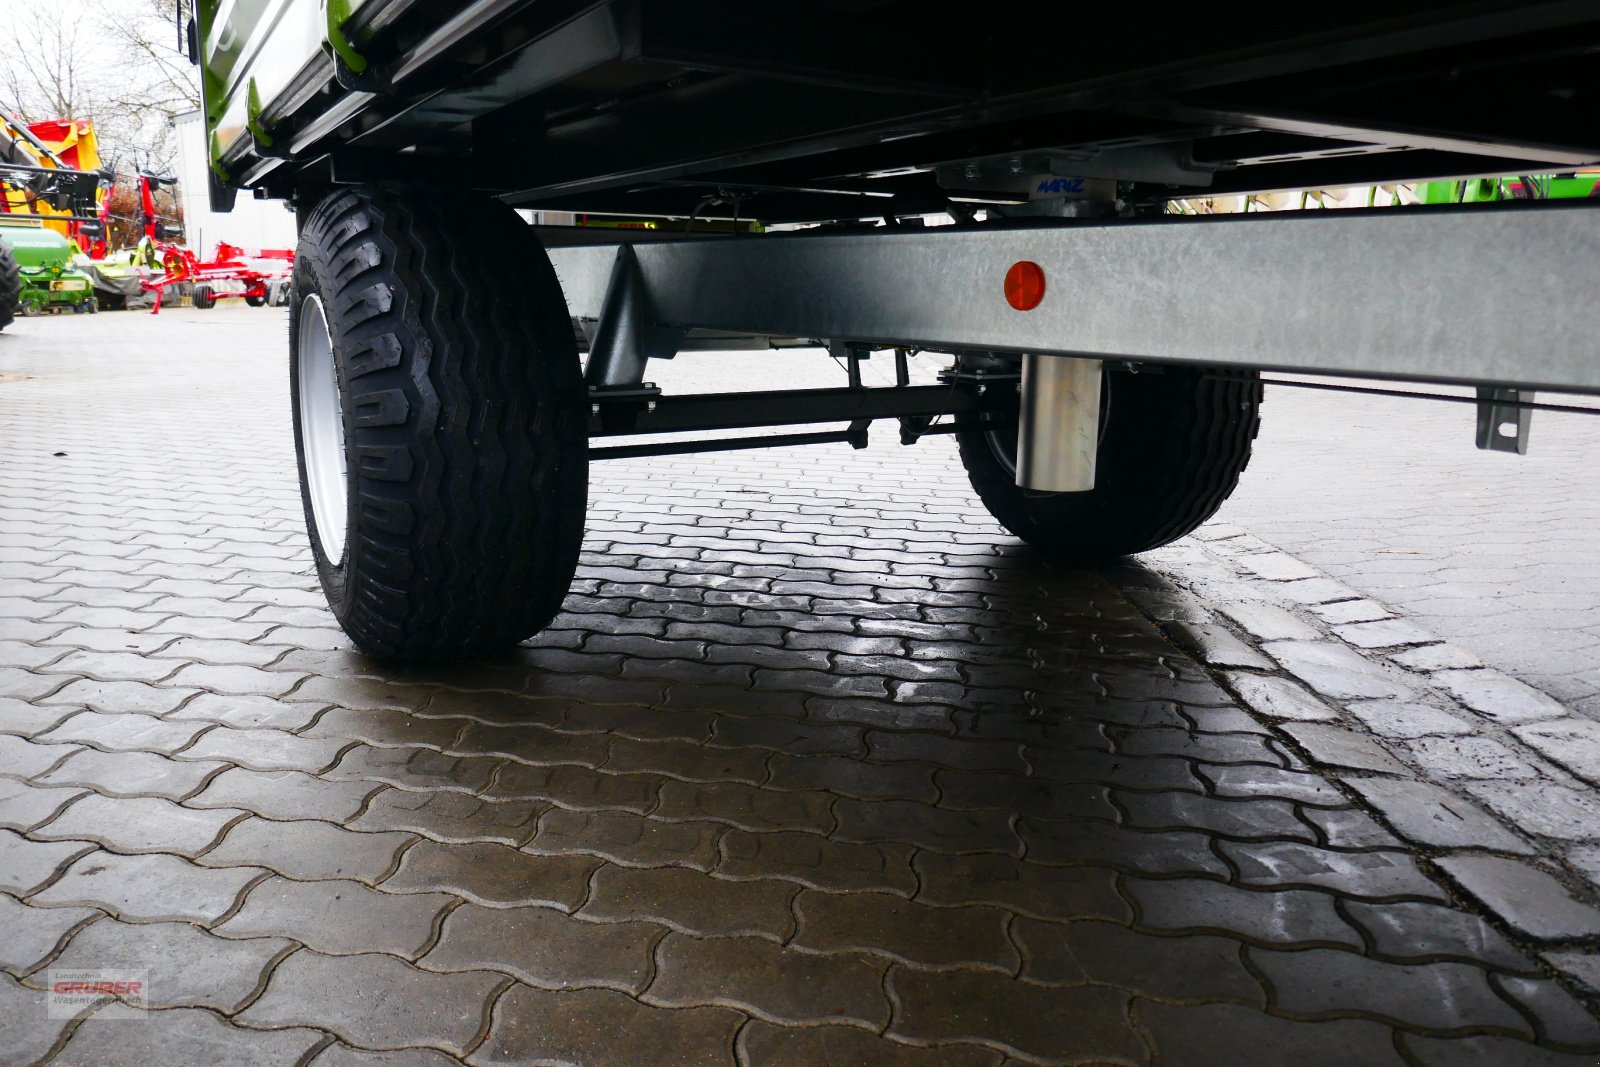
(203, 297)
(440, 420)
(1173, 443)
(10, 286)
(256, 301)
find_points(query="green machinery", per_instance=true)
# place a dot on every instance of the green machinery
(45, 279)
(1577, 185)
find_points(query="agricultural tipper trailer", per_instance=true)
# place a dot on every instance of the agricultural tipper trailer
(1105, 356)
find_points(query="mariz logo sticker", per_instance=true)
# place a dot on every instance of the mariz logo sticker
(1059, 186)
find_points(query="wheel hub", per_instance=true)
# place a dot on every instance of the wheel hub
(322, 431)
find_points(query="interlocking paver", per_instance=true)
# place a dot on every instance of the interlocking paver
(1375, 874)
(780, 1046)
(140, 824)
(1437, 996)
(1024, 796)
(450, 816)
(889, 925)
(688, 762)
(307, 849)
(603, 1027)
(131, 774)
(24, 806)
(1176, 968)
(747, 807)
(925, 826)
(1557, 1015)
(1408, 932)
(532, 744)
(1248, 819)
(339, 917)
(760, 978)
(377, 1001)
(1211, 1035)
(578, 787)
(1025, 888)
(26, 865)
(266, 750)
(1103, 845)
(1038, 1022)
(494, 875)
(342, 1055)
(32, 934)
(415, 768)
(546, 948)
(853, 778)
(186, 966)
(284, 794)
(246, 712)
(1348, 828)
(26, 719)
(24, 759)
(816, 861)
(118, 733)
(385, 726)
(628, 839)
(116, 698)
(1245, 782)
(149, 888)
(1275, 917)
(26, 1032)
(118, 1034)
(695, 903)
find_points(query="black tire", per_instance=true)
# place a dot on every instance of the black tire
(1173, 442)
(10, 286)
(203, 298)
(464, 420)
(256, 301)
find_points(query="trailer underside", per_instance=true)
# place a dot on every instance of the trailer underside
(1105, 356)
(879, 108)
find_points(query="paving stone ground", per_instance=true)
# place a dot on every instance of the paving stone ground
(818, 766)
(1496, 552)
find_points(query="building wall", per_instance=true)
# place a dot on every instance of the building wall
(251, 224)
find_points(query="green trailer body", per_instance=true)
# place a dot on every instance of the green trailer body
(48, 280)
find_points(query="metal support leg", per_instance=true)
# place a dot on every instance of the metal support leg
(851, 356)
(627, 334)
(1058, 432)
(1502, 424)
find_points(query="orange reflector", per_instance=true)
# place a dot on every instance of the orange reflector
(1025, 285)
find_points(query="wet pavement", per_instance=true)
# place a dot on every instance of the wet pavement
(818, 766)
(1496, 552)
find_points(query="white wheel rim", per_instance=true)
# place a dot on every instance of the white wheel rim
(322, 431)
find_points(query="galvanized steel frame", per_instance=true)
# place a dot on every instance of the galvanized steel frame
(1481, 294)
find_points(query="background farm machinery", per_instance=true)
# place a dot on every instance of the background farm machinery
(60, 227)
